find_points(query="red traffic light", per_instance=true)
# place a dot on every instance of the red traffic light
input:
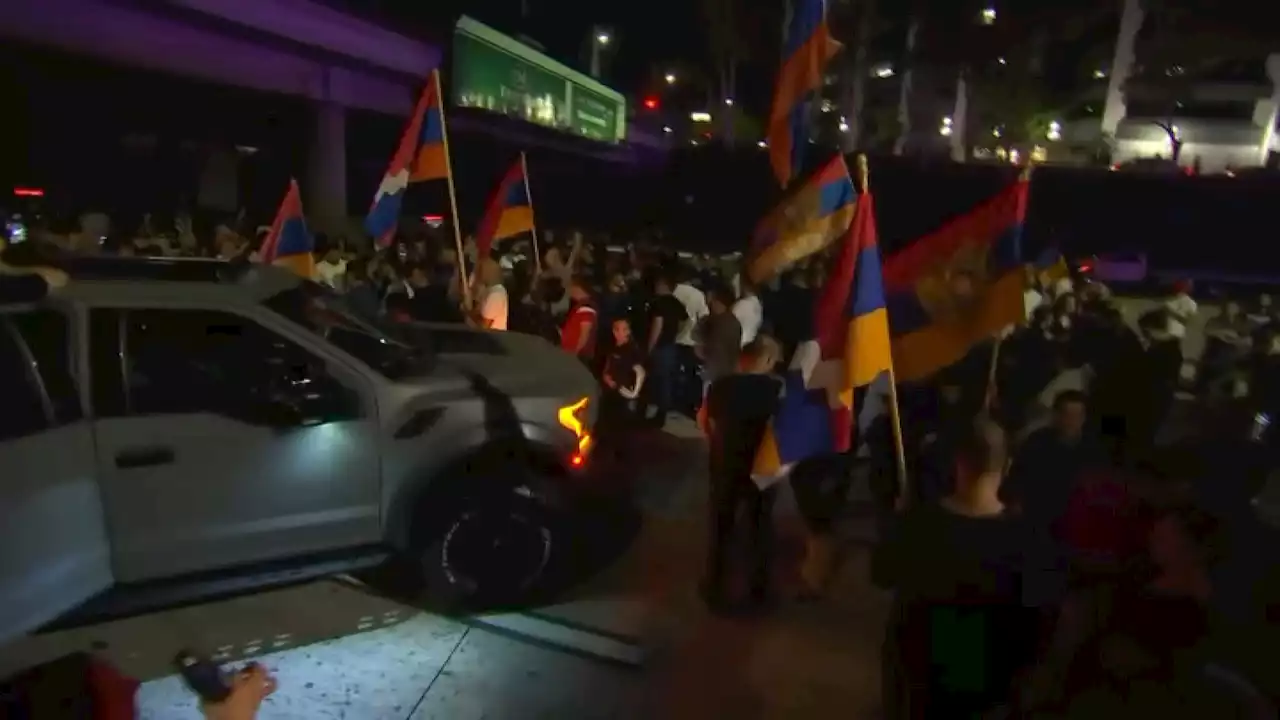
(651, 103)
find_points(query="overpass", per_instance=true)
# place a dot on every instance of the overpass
(292, 47)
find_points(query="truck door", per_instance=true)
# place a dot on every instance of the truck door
(54, 552)
(223, 443)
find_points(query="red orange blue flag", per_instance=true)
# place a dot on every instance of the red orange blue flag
(850, 349)
(288, 243)
(509, 212)
(421, 155)
(958, 286)
(812, 217)
(807, 48)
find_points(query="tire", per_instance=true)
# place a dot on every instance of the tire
(490, 552)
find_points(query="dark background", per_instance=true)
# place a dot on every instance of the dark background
(98, 137)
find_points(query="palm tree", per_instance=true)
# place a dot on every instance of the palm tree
(728, 51)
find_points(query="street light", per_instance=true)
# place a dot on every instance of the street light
(988, 16)
(666, 129)
(670, 78)
(700, 116)
(1055, 131)
(728, 101)
(602, 40)
(762, 144)
(945, 130)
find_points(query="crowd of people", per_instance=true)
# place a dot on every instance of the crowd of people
(1051, 551)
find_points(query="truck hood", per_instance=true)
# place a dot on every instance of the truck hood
(515, 363)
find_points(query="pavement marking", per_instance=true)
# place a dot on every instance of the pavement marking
(564, 636)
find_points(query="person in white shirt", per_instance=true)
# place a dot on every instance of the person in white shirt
(688, 390)
(695, 305)
(492, 309)
(1180, 309)
(750, 312)
(331, 268)
(1032, 298)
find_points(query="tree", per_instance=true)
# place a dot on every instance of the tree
(857, 26)
(1001, 65)
(728, 48)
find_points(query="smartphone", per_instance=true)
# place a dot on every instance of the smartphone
(202, 676)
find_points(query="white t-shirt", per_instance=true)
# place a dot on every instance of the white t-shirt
(494, 307)
(1063, 286)
(750, 314)
(331, 273)
(1182, 304)
(695, 308)
(1031, 299)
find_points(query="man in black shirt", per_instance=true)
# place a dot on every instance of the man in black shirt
(739, 407)
(666, 315)
(426, 301)
(623, 379)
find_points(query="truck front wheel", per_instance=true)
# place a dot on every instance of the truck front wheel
(490, 552)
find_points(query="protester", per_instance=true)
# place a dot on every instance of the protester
(666, 315)
(959, 632)
(719, 337)
(623, 380)
(1181, 309)
(739, 407)
(578, 337)
(750, 313)
(492, 304)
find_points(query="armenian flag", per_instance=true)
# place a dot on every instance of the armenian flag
(957, 287)
(807, 48)
(851, 349)
(509, 212)
(422, 155)
(1051, 267)
(288, 243)
(807, 221)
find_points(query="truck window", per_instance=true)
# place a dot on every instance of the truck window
(369, 340)
(24, 412)
(46, 333)
(198, 361)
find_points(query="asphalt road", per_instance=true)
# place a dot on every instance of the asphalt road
(634, 642)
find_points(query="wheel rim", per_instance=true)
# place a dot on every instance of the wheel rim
(495, 553)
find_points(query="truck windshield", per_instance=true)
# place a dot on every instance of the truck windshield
(371, 340)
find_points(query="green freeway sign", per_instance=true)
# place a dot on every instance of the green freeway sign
(494, 72)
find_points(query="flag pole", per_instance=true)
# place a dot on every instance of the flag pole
(453, 197)
(993, 368)
(533, 224)
(895, 416)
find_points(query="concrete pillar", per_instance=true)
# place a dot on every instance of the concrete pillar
(1131, 17)
(219, 185)
(1272, 114)
(325, 190)
(959, 122)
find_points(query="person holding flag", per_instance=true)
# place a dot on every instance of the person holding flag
(422, 155)
(288, 244)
